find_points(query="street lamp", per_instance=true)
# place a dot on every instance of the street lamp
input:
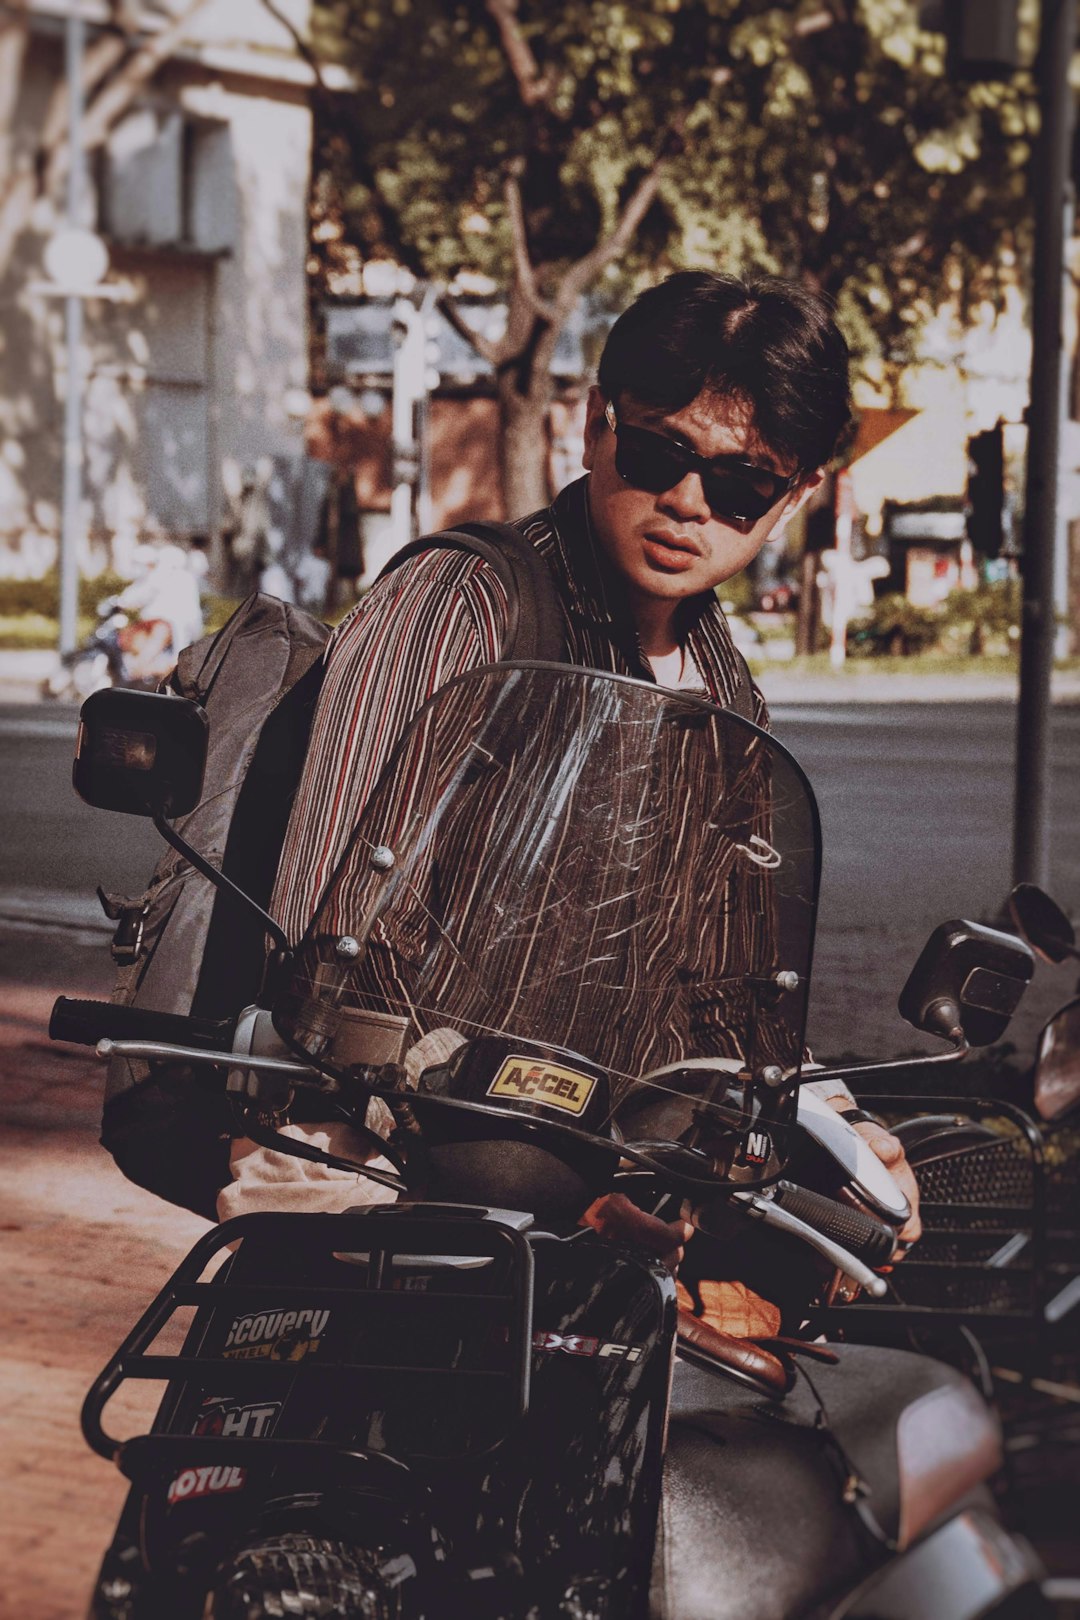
(76, 261)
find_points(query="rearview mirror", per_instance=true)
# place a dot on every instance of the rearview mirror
(967, 982)
(1057, 1063)
(1043, 923)
(143, 753)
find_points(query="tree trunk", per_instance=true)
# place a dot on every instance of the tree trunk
(14, 38)
(523, 446)
(525, 390)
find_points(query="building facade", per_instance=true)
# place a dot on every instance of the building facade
(199, 189)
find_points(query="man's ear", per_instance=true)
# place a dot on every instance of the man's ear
(798, 498)
(595, 425)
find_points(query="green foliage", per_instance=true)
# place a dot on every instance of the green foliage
(894, 626)
(792, 138)
(988, 614)
(41, 597)
(217, 610)
(976, 622)
(736, 595)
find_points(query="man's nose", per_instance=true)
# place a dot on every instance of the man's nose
(686, 500)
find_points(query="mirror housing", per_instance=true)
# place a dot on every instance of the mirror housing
(1057, 1063)
(967, 983)
(143, 753)
(1042, 922)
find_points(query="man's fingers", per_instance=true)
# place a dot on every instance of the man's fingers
(620, 1221)
(890, 1150)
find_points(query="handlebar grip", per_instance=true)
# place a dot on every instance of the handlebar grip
(86, 1022)
(862, 1235)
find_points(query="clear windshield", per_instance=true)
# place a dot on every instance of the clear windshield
(577, 859)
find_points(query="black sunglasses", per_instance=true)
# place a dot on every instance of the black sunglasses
(736, 491)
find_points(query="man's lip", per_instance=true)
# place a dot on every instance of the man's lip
(674, 542)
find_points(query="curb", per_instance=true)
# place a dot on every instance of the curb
(21, 674)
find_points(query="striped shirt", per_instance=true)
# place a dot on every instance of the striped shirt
(440, 615)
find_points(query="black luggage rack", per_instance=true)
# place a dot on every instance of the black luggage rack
(376, 1244)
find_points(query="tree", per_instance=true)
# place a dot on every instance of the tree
(116, 68)
(573, 148)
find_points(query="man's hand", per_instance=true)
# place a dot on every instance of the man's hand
(890, 1150)
(620, 1221)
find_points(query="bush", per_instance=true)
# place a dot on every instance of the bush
(41, 597)
(989, 613)
(894, 627)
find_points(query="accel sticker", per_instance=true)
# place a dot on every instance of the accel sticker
(543, 1083)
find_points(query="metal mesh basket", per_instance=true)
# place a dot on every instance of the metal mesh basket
(983, 1251)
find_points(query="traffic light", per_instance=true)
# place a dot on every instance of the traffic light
(986, 490)
(982, 35)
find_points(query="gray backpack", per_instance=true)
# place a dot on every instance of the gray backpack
(183, 946)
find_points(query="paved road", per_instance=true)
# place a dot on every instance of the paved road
(916, 813)
(916, 809)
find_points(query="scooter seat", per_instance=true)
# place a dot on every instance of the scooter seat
(758, 1519)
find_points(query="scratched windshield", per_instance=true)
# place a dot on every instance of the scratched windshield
(580, 859)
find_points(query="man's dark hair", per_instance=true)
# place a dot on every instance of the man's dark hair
(771, 344)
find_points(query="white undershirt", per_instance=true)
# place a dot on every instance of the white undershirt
(677, 669)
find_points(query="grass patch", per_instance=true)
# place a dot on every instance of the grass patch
(38, 632)
(34, 632)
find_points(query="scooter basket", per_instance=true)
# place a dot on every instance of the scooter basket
(982, 1258)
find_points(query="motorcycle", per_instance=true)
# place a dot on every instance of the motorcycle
(998, 1182)
(1056, 1079)
(566, 953)
(1055, 1105)
(105, 658)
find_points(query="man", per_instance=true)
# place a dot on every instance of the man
(718, 405)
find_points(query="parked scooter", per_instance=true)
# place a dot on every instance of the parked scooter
(1051, 935)
(466, 1403)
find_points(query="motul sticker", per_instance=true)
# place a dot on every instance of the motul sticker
(275, 1335)
(195, 1482)
(223, 1417)
(578, 1344)
(543, 1083)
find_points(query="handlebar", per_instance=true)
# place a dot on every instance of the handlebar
(861, 1234)
(87, 1022)
(849, 1237)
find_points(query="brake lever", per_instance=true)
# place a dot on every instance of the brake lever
(762, 1209)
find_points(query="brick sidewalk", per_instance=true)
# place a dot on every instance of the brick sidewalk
(83, 1253)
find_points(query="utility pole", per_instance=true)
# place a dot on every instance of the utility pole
(71, 510)
(413, 379)
(1050, 182)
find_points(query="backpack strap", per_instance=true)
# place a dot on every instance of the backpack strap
(535, 629)
(742, 701)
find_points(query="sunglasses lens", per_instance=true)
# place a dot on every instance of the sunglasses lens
(740, 495)
(647, 461)
(652, 463)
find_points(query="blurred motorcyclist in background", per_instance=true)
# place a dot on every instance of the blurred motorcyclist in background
(164, 602)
